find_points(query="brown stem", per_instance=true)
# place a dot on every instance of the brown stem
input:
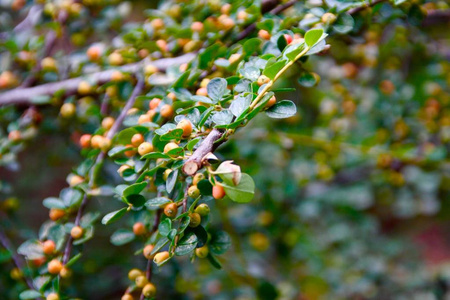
(70, 86)
(194, 163)
(100, 158)
(363, 7)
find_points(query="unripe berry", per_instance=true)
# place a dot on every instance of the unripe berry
(65, 272)
(195, 219)
(115, 59)
(166, 173)
(271, 102)
(147, 252)
(145, 148)
(234, 58)
(105, 144)
(242, 15)
(328, 18)
(202, 91)
(143, 53)
(186, 125)
(68, 110)
(94, 53)
(154, 103)
(197, 26)
(85, 141)
(76, 232)
(172, 96)
(149, 290)
(204, 82)
(193, 191)
(137, 139)
(264, 34)
(139, 228)
(171, 210)
(107, 123)
(150, 70)
(134, 273)
(96, 141)
(170, 146)
(127, 297)
(166, 111)
(263, 79)
(48, 247)
(202, 252)
(141, 281)
(197, 178)
(55, 214)
(84, 88)
(122, 169)
(54, 266)
(161, 256)
(225, 9)
(218, 191)
(52, 296)
(75, 180)
(111, 91)
(203, 209)
(49, 64)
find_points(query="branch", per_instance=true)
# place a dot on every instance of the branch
(6, 243)
(266, 8)
(362, 7)
(194, 163)
(70, 86)
(99, 161)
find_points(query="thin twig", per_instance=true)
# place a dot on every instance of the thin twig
(100, 158)
(70, 86)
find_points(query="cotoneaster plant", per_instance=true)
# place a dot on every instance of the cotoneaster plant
(156, 103)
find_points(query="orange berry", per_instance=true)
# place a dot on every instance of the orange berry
(139, 228)
(288, 38)
(197, 26)
(85, 141)
(14, 136)
(94, 53)
(54, 266)
(170, 146)
(264, 34)
(186, 125)
(127, 297)
(131, 152)
(166, 111)
(154, 103)
(84, 88)
(137, 139)
(48, 247)
(162, 45)
(218, 191)
(202, 91)
(96, 141)
(149, 290)
(271, 102)
(148, 251)
(55, 214)
(52, 296)
(145, 148)
(157, 24)
(161, 256)
(145, 118)
(171, 210)
(107, 123)
(115, 59)
(76, 232)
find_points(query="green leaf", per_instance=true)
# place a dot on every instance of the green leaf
(89, 218)
(160, 244)
(122, 237)
(71, 197)
(191, 144)
(344, 23)
(29, 294)
(134, 189)
(251, 45)
(171, 181)
(118, 150)
(282, 109)
(216, 89)
(157, 202)
(251, 73)
(32, 249)
(243, 192)
(214, 262)
(53, 202)
(165, 226)
(186, 244)
(272, 69)
(220, 242)
(114, 216)
(136, 200)
(293, 50)
(154, 155)
(73, 260)
(307, 80)
(205, 187)
(240, 105)
(313, 36)
(223, 117)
